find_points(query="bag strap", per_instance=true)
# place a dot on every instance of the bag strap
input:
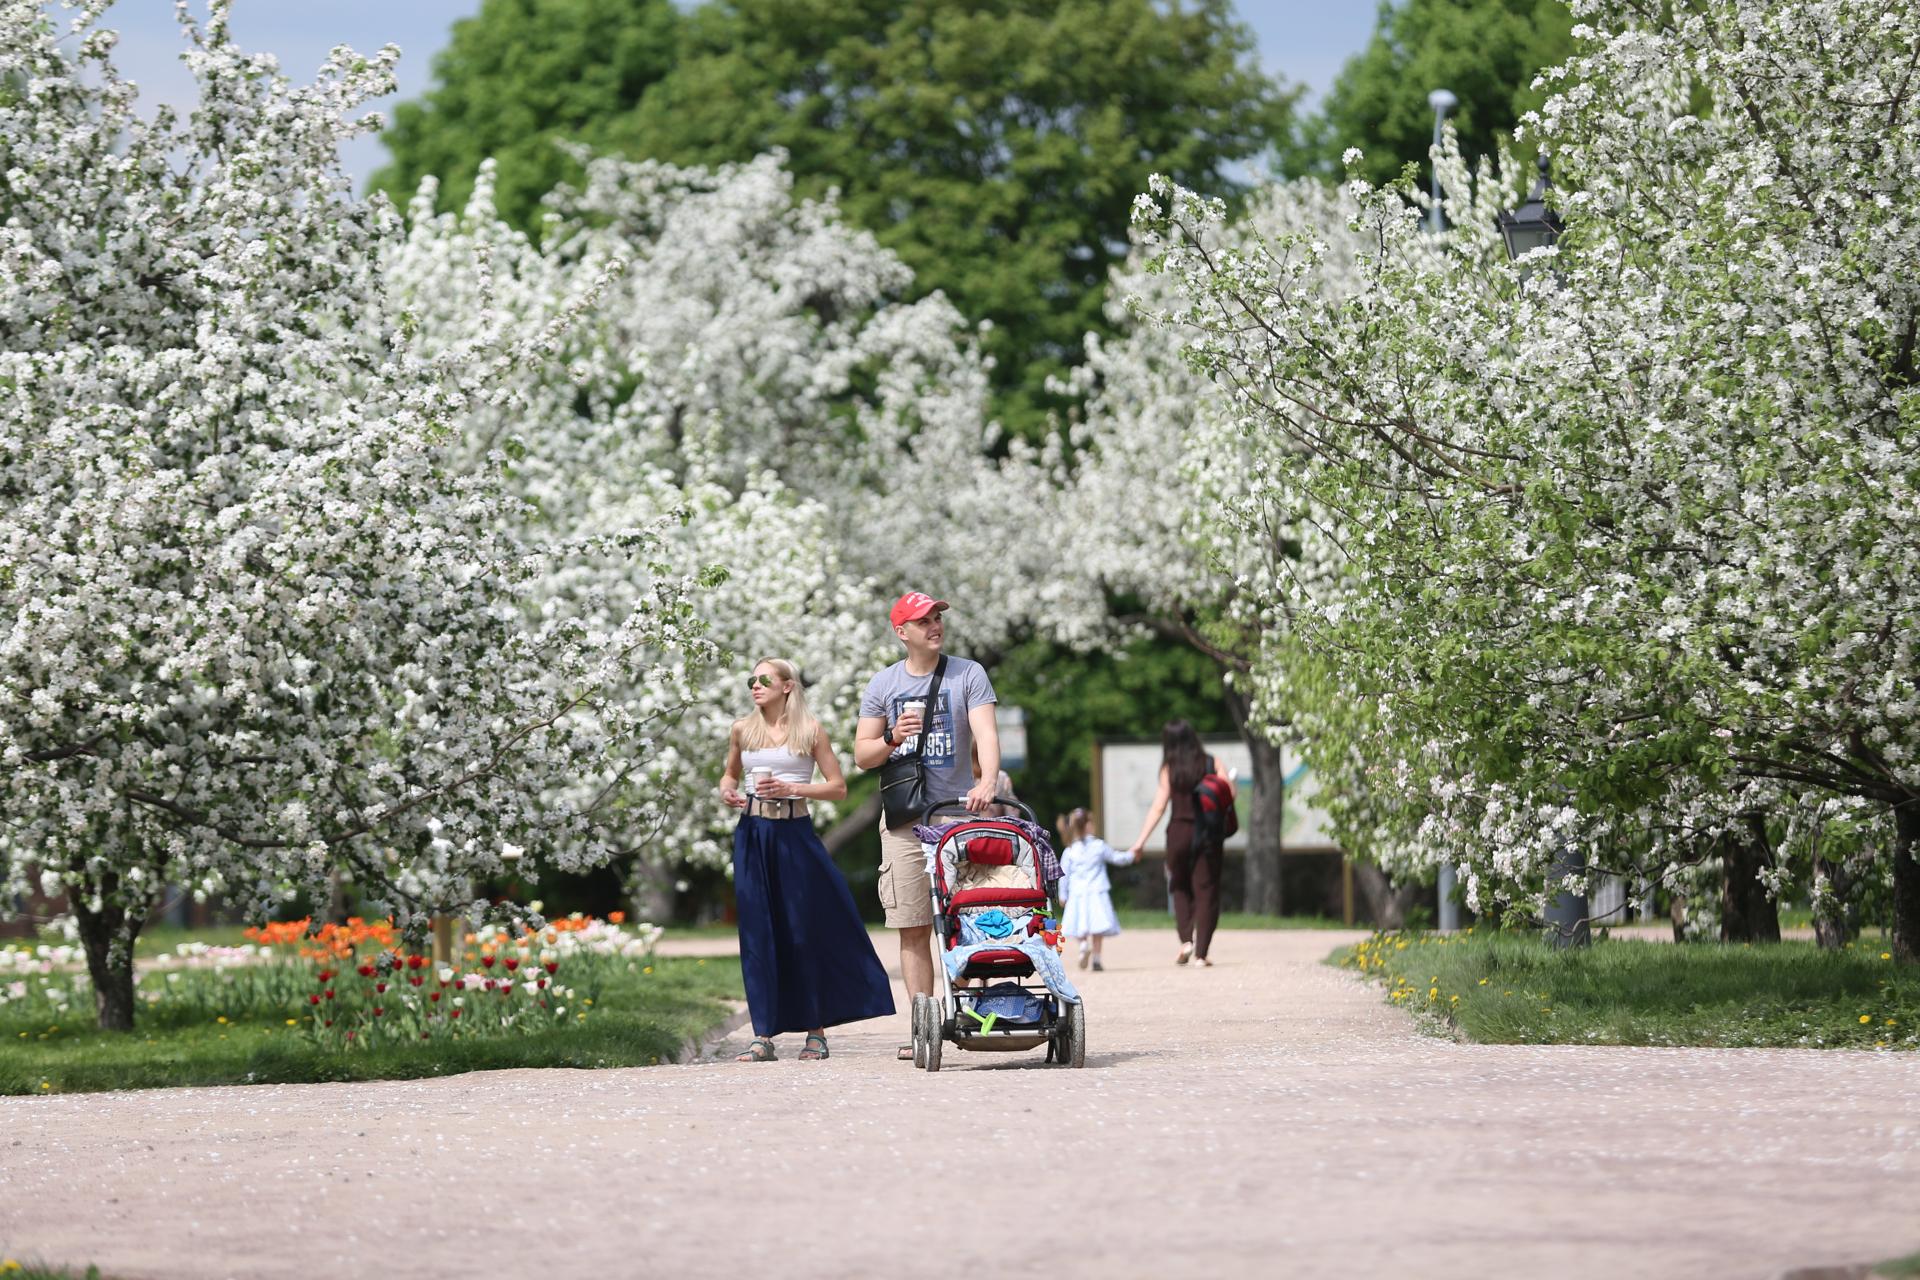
(933, 705)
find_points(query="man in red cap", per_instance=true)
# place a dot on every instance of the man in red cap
(957, 731)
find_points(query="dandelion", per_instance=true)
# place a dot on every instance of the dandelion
(222, 1019)
(1483, 982)
(1886, 955)
(1893, 1022)
(1865, 1018)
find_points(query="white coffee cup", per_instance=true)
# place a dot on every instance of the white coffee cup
(756, 778)
(915, 707)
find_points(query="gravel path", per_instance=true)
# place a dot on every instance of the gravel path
(1268, 1116)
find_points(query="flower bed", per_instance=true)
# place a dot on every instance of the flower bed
(348, 985)
(352, 1002)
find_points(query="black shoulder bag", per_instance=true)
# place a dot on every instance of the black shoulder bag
(903, 779)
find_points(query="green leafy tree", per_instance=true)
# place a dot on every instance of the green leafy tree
(515, 78)
(1487, 52)
(995, 145)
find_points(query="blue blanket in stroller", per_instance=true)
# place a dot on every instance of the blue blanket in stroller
(1046, 961)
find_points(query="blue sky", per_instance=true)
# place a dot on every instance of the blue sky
(1304, 41)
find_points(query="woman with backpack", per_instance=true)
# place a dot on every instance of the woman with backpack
(1194, 845)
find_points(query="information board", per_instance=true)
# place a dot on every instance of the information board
(1127, 773)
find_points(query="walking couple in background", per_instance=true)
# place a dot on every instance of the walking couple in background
(805, 956)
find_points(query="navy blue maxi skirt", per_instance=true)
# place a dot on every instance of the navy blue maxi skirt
(804, 951)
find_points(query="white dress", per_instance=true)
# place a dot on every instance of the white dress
(1083, 878)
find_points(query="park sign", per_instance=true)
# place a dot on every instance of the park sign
(1126, 774)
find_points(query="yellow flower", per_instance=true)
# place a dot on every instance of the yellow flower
(45, 1085)
(1893, 1022)
(1432, 992)
(699, 961)
(1399, 946)
(1886, 955)
(1483, 982)
(1865, 1018)
(1453, 999)
(293, 1022)
(648, 969)
(222, 1019)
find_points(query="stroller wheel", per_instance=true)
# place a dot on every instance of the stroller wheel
(920, 1020)
(932, 1039)
(1074, 1051)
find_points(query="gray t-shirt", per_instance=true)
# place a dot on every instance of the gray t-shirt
(949, 738)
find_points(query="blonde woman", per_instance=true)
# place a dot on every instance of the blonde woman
(804, 953)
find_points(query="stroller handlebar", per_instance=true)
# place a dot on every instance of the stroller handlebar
(927, 815)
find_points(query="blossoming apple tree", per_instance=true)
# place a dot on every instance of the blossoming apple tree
(260, 617)
(1629, 524)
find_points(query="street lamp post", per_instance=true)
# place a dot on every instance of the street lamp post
(1442, 101)
(1536, 225)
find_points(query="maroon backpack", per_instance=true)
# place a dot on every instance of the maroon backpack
(1214, 818)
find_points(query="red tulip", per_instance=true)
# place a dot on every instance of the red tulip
(378, 1011)
(513, 962)
(553, 966)
(415, 962)
(416, 980)
(425, 1036)
(313, 999)
(366, 971)
(433, 995)
(329, 1021)
(380, 987)
(349, 1035)
(487, 961)
(454, 1014)
(329, 993)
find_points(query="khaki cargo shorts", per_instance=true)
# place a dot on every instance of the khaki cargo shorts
(906, 893)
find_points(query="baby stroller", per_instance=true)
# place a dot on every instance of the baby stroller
(990, 898)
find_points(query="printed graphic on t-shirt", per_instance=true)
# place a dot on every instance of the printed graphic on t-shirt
(939, 729)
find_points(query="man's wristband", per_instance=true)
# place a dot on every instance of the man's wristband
(887, 738)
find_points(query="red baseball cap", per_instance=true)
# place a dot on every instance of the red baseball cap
(914, 604)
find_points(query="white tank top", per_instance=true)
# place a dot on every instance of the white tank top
(786, 766)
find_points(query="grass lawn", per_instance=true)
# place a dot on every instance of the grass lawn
(1145, 918)
(640, 1018)
(1510, 988)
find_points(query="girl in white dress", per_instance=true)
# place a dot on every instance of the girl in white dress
(1089, 915)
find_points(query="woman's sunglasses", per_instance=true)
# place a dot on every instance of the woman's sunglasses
(765, 682)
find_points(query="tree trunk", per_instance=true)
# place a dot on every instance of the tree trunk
(1264, 810)
(858, 820)
(1833, 925)
(110, 967)
(1906, 879)
(1387, 905)
(651, 891)
(1747, 912)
